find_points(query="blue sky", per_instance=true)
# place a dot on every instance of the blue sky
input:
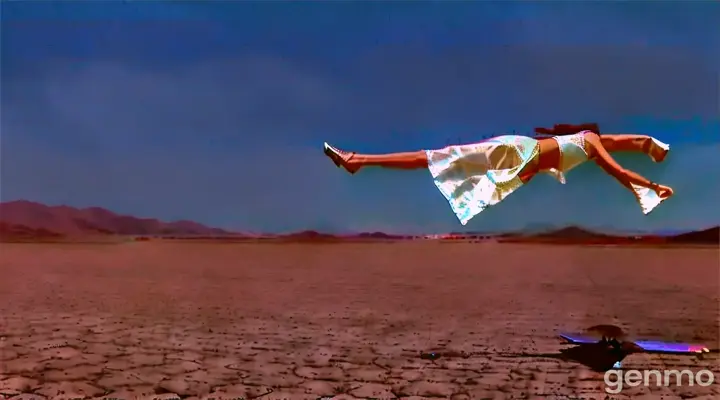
(216, 111)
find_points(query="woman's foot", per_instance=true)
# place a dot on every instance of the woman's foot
(341, 158)
(658, 150)
(664, 192)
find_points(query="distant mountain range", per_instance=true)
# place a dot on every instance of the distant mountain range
(26, 220)
(314, 236)
(574, 234)
(706, 236)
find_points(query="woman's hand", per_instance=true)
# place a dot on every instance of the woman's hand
(664, 191)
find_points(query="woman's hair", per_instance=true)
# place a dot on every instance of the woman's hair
(567, 129)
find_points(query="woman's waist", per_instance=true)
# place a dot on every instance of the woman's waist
(549, 154)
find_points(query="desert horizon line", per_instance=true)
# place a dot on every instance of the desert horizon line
(531, 228)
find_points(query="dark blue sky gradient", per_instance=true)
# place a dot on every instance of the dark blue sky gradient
(216, 111)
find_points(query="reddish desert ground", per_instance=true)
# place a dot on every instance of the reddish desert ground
(291, 321)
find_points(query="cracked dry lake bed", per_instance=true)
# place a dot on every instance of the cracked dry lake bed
(231, 321)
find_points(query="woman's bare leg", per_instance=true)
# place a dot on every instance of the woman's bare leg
(407, 160)
(634, 143)
(626, 177)
(352, 162)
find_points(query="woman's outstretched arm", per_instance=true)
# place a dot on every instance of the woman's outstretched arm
(607, 163)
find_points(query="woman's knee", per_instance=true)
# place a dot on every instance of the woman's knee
(592, 143)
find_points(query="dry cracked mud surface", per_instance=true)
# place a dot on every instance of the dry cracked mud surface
(229, 321)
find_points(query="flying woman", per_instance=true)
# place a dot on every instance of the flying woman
(475, 176)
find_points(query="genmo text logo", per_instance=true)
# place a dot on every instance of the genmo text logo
(616, 379)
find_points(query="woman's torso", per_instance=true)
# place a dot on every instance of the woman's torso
(557, 154)
(562, 153)
(549, 154)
